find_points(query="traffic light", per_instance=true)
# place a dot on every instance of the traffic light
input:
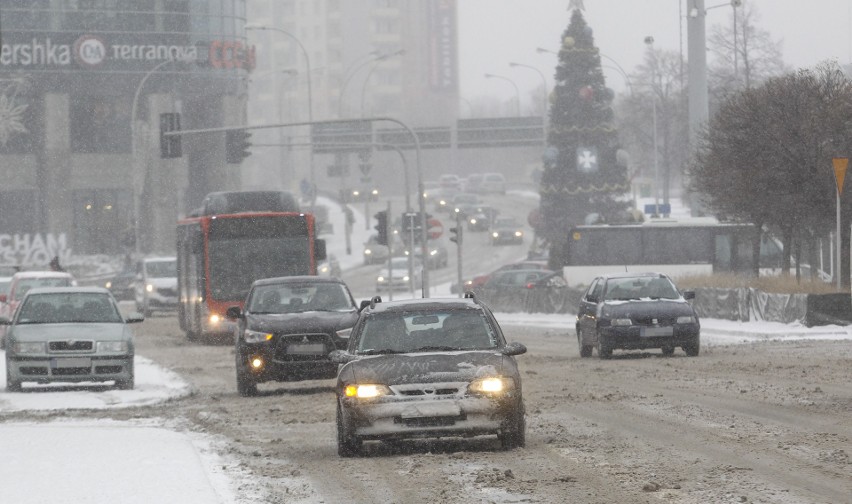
(382, 226)
(457, 235)
(170, 146)
(237, 145)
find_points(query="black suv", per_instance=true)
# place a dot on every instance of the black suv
(288, 327)
(429, 368)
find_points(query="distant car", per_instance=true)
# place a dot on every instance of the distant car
(433, 368)
(442, 199)
(439, 256)
(473, 183)
(397, 277)
(636, 311)
(507, 230)
(21, 283)
(504, 288)
(121, 285)
(288, 328)
(493, 183)
(69, 334)
(481, 217)
(155, 287)
(330, 267)
(450, 181)
(462, 200)
(519, 265)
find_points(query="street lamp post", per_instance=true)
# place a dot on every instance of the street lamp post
(136, 173)
(650, 43)
(350, 75)
(310, 96)
(544, 101)
(517, 91)
(376, 62)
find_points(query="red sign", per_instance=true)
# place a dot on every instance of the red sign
(435, 229)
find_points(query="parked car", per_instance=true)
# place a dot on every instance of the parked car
(507, 230)
(493, 183)
(155, 287)
(510, 288)
(430, 368)
(397, 277)
(21, 283)
(477, 281)
(121, 285)
(636, 311)
(69, 334)
(288, 327)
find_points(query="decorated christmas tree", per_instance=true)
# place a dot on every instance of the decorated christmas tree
(582, 181)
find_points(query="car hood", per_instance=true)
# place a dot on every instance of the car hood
(430, 367)
(163, 282)
(314, 321)
(46, 332)
(647, 308)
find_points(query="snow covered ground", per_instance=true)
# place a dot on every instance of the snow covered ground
(143, 461)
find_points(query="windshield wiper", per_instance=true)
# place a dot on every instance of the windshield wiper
(379, 351)
(436, 348)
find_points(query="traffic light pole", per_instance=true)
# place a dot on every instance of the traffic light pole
(390, 253)
(458, 231)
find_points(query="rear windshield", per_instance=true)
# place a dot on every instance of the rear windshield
(25, 284)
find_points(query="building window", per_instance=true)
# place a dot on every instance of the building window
(100, 124)
(176, 17)
(18, 123)
(101, 218)
(18, 211)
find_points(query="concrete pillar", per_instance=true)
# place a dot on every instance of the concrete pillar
(53, 172)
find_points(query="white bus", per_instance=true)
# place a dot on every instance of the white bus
(692, 246)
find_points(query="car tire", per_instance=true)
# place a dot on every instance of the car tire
(348, 445)
(129, 383)
(515, 433)
(11, 385)
(246, 384)
(585, 350)
(604, 349)
(693, 347)
(667, 350)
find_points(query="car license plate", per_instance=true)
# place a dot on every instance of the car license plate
(71, 362)
(439, 409)
(306, 349)
(656, 331)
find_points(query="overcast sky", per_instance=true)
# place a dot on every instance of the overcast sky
(493, 33)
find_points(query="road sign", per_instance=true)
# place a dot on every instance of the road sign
(434, 229)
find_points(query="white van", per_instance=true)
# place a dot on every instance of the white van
(155, 287)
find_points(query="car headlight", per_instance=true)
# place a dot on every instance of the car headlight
(621, 322)
(366, 390)
(433, 252)
(344, 333)
(149, 288)
(405, 278)
(473, 221)
(492, 385)
(686, 319)
(215, 319)
(380, 279)
(495, 234)
(367, 251)
(256, 336)
(324, 269)
(519, 233)
(108, 285)
(112, 347)
(33, 347)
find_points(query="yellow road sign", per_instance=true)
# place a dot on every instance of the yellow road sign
(840, 164)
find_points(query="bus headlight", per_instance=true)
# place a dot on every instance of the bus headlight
(215, 319)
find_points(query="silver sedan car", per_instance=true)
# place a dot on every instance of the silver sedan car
(69, 334)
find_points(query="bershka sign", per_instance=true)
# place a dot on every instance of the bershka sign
(94, 52)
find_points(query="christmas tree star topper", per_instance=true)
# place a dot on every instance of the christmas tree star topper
(576, 4)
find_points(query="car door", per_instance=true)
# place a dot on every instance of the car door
(588, 310)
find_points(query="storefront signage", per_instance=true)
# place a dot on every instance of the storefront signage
(96, 52)
(33, 249)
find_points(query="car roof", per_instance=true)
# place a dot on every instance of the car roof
(42, 274)
(299, 279)
(160, 259)
(425, 304)
(627, 274)
(67, 290)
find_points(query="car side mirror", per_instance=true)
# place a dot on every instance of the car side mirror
(592, 299)
(233, 313)
(2, 298)
(690, 294)
(341, 356)
(5, 321)
(134, 318)
(514, 349)
(364, 303)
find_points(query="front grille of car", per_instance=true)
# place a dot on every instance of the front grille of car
(436, 421)
(423, 392)
(72, 371)
(71, 346)
(107, 369)
(285, 340)
(649, 321)
(33, 371)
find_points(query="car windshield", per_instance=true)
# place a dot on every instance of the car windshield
(413, 332)
(161, 269)
(25, 284)
(623, 289)
(506, 223)
(298, 298)
(68, 307)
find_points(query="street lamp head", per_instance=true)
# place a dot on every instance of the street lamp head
(649, 40)
(693, 12)
(488, 75)
(513, 64)
(542, 50)
(255, 26)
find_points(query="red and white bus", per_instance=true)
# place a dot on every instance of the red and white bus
(219, 255)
